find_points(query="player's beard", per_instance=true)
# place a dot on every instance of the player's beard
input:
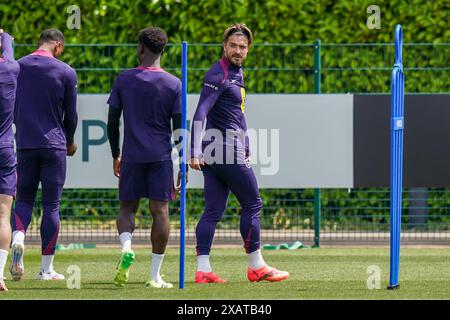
(238, 62)
(231, 59)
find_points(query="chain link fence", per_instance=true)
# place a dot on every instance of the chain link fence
(347, 216)
(276, 68)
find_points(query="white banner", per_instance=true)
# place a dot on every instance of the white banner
(296, 141)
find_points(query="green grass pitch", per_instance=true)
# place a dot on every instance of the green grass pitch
(325, 273)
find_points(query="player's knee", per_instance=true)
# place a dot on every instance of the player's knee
(24, 200)
(253, 206)
(213, 214)
(50, 207)
(159, 209)
(129, 207)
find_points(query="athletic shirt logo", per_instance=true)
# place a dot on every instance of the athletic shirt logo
(243, 100)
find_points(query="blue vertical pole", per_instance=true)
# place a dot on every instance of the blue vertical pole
(184, 80)
(397, 128)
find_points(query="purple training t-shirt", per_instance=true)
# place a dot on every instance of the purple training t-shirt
(45, 114)
(9, 70)
(222, 105)
(149, 97)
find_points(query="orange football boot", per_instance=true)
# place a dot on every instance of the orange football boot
(266, 273)
(207, 277)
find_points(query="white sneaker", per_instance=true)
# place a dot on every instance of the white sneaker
(160, 284)
(16, 267)
(52, 275)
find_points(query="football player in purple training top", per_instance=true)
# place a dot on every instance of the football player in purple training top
(46, 118)
(9, 70)
(225, 160)
(150, 98)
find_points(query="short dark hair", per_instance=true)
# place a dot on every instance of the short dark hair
(51, 35)
(238, 28)
(154, 39)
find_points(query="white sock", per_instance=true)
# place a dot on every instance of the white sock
(18, 237)
(125, 241)
(255, 260)
(47, 263)
(3, 258)
(157, 260)
(203, 263)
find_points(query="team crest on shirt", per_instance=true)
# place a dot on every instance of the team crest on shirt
(243, 100)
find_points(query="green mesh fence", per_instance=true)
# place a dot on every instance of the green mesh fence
(347, 216)
(276, 68)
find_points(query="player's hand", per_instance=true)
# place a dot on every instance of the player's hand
(196, 163)
(116, 167)
(248, 161)
(178, 186)
(71, 149)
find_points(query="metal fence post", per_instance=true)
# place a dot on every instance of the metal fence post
(317, 82)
